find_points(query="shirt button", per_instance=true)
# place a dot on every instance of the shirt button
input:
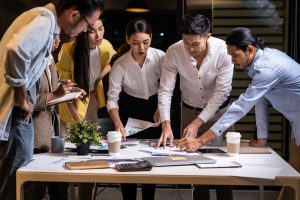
(199, 77)
(200, 88)
(220, 131)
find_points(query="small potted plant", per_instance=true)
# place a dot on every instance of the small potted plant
(83, 134)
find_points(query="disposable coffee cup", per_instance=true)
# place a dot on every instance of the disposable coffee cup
(114, 143)
(233, 143)
(57, 144)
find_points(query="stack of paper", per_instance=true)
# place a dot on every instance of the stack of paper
(221, 164)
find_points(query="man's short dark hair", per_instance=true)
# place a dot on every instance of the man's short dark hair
(195, 25)
(85, 7)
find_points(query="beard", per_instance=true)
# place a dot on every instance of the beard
(71, 29)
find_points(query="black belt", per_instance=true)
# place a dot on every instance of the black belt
(224, 104)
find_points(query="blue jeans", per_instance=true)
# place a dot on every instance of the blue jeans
(15, 153)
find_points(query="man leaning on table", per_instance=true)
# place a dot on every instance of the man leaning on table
(24, 51)
(205, 71)
(275, 80)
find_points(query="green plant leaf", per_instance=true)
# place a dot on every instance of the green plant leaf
(82, 132)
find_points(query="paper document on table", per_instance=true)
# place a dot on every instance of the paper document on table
(221, 164)
(167, 151)
(134, 126)
(66, 97)
(264, 172)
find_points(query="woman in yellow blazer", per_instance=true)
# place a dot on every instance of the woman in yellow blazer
(85, 61)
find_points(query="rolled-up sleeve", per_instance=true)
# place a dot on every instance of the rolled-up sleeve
(25, 49)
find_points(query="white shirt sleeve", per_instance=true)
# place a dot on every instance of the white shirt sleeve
(167, 85)
(222, 88)
(115, 86)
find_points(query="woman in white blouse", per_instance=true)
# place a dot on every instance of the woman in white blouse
(137, 74)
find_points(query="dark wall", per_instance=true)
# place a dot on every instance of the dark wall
(10, 9)
(163, 25)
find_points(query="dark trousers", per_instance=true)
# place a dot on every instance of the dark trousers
(15, 153)
(137, 108)
(129, 191)
(224, 192)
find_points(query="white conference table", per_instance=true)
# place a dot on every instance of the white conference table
(50, 168)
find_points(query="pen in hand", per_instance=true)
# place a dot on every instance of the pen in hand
(66, 81)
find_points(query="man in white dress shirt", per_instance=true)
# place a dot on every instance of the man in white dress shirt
(205, 71)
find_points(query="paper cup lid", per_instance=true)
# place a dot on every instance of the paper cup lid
(233, 134)
(114, 134)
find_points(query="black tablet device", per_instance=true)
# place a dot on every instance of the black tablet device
(211, 150)
(102, 150)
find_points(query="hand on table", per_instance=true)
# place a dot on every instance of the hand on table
(258, 143)
(165, 134)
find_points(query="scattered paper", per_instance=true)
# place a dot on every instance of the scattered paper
(252, 161)
(134, 126)
(221, 164)
(263, 172)
(131, 142)
(168, 151)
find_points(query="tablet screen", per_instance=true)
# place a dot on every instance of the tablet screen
(211, 150)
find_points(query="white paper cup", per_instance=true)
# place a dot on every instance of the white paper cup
(233, 143)
(114, 139)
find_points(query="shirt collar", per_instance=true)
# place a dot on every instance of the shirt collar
(149, 56)
(51, 7)
(251, 69)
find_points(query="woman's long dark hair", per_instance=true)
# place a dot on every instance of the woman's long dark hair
(81, 57)
(242, 37)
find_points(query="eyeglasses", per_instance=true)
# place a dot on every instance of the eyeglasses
(89, 26)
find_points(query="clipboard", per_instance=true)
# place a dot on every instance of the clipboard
(66, 97)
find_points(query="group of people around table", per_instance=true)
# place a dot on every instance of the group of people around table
(141, 84)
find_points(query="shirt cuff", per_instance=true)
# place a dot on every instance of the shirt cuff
(164, 117)
(262, 135)
(204, 116)
(217, 129)
(15, 82)
(111, 105)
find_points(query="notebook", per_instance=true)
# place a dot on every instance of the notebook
(93, 164)
(66, 97)
(160, 161)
